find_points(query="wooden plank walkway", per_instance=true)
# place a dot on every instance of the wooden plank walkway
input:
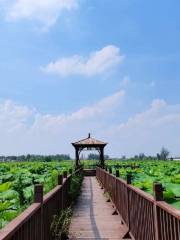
(92, 216)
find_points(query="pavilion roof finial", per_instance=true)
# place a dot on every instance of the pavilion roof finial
(89, 135)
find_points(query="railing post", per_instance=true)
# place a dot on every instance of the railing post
(117, 173)
(110, 170)
(60, 182)
(38, 193)
(129, 178)
(158, 191)
(64, 191)
(70, 171)
(38, 198)
(65, 174)
(67, 190)
(115, 196)
(60, 179)
(158, 196)
(129, 181)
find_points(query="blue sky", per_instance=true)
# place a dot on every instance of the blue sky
(68, 67)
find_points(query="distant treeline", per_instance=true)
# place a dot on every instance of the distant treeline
(33, 158)
(163, 155)
(94, 156)
(47, 158)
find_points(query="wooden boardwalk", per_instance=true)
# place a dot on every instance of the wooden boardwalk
(92, 216)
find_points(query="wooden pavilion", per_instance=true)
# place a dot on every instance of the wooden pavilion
(89, 143)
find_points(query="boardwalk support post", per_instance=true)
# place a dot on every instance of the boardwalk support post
(127, 235)
(115, 212)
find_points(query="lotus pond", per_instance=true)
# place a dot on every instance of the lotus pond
(17, 184)
(144, 173)
(17, 180)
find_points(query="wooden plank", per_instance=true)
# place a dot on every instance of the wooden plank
(92, 217)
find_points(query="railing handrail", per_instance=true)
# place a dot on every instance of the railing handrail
(139, 191)
(13, 226)
(168, 208)
(164, 205)
(17, 222)
(50, 194)
(155, 217)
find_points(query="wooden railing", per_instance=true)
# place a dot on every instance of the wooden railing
(34, 223)
(146, 217)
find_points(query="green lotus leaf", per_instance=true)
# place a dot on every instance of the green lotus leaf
(5, 186)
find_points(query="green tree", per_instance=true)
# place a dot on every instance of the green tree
(93, 156)
(163, 154)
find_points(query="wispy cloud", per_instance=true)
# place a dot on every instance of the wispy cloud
(148, 131)
(126, 81)
(97, 63)
(26, 130)
(45, 11)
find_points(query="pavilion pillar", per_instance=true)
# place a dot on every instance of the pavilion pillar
(102, 157)
(77, 157)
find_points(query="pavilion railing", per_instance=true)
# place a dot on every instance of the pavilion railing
(146, 217)
(34, 223)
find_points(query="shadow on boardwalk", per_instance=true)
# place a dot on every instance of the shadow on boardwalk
(92, 217)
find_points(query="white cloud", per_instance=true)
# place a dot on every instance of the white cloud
(103, 106)
(97, 63)
(149, 131)
(45, 11)
(25, 130)
(12, 115)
